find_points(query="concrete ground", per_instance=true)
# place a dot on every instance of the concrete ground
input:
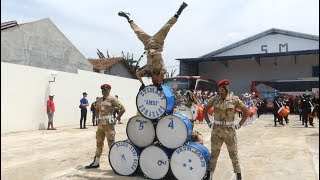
(266, 152)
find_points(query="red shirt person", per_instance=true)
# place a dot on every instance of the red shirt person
(50, 112)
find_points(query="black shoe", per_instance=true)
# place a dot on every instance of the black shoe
(124, 14)
(142, 87)
(239, 176)
(80, 127)
(92, 166)
(85, 128)
(183, 5)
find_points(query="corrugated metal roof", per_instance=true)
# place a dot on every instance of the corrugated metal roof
(8, 24)
(262, 34)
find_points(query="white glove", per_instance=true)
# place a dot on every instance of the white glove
(210, 125)
(237, 126)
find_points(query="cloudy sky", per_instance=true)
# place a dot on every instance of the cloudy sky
(204, 26)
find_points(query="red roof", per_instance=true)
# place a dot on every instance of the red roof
(8, 24)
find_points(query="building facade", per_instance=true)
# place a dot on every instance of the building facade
(274, 54)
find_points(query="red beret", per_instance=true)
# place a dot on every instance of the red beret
(105, 86)
(223, 82)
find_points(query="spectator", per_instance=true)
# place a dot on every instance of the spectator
(83, 106)
(93, 110)
(50, 112)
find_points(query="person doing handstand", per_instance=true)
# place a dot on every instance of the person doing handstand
(153, 46)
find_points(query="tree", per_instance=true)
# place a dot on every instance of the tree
(134, 64)
(100, 54)
(171, 74)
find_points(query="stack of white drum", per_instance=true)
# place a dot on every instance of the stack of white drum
(159, 141)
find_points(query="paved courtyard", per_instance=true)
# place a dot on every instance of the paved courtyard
(266, 152)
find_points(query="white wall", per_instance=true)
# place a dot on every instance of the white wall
(25, 90)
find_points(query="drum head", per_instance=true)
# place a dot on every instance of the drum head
(188, 163)
(124, 158)
(172, 131)
(151, 103)
(140, 131)
(154, 162)
(184, 110)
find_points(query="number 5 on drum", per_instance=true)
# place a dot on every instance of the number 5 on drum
(141, 125)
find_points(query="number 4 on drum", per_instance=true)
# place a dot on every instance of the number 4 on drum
(171, 124)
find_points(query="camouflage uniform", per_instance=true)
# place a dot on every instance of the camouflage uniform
(106, 108)
(154, 46)
(224, 110)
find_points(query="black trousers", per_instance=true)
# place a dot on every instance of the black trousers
(94, 118)
(83, 117)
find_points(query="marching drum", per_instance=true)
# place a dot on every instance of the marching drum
(284, 111)
(152, 103)
(124, 157)
(184, 110)
(190, 161)
(141, 131)
(174, 130)
(154, 161)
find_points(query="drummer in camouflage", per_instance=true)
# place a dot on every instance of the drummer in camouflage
(223, 126)
(104, 111)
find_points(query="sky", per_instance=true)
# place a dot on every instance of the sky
(204, 26)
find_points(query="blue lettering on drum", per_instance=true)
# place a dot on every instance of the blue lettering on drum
(145, 112)
(122, 144)
(160, 162)
(193, 150)
(153, 103)
(135, 164)
(135, 160)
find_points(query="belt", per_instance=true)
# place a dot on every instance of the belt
(222, 123)
(152, 52)
(106, 119)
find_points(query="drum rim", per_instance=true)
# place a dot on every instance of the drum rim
(138, 166)
(169, 166)
(155, 135)
(142, 113)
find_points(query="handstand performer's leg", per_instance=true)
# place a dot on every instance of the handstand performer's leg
(163, 32)
(142, 36)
